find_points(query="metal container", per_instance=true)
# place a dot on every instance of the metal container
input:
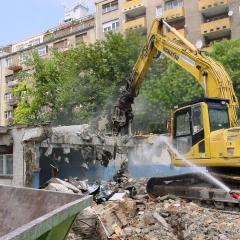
(30, 214)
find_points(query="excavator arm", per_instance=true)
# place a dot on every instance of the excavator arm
(209, 73)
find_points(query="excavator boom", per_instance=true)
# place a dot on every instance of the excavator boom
(209, 73)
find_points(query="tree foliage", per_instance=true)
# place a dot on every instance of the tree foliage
(76, 86)
(79, 85)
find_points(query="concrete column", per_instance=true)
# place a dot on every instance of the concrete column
(234, 5)
(193, 20)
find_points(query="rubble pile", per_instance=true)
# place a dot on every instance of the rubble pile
(85, 226)
(123, 210)
(165, 218)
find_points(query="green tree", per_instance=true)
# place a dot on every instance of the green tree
(79, 85)
(76, 86)
(228, 53)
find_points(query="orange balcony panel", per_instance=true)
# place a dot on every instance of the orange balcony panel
(215, 26)
(174, 13)
(207, 4)
(133, 4)
(134, 24)
(15, 66)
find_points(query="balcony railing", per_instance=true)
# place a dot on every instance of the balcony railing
(132, 5)
(13, 83)
(58, 33)
(8, 72)
(215, 26)
(174, 13)
(135, 24)
(171, 36)
(13, 101)
(15, 65)
(207, 4)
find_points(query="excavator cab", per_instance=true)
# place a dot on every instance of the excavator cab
(194, 125)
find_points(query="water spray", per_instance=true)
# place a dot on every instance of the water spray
(233, 194)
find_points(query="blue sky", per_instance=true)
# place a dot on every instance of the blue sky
(20, 19)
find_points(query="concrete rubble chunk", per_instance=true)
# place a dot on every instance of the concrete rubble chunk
(160, 219)
(65, 184)
(57, 187)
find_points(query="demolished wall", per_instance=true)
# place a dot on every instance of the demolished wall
(39, 152)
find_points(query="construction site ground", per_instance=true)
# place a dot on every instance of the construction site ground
(131, 214)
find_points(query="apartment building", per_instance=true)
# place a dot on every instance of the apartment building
(201, 21)
(12, 57)
(108, 16)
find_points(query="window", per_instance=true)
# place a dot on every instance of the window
(42, 51)
(34, 42)
(80, 37)
(218, 118)
(173, 4)
(159, 11)
(110, 7)
(197, 119)
(183, 124)
(8, 114)
(9, 61)
(110, 26)
(24, 56)
(61, 45)
(183, 137)
(8, 96)
(6, 165)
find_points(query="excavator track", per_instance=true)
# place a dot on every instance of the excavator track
(195, 187)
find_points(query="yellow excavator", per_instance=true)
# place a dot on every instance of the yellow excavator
(205, 131)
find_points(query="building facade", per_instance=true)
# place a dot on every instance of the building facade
(201, 21)
(12, 57)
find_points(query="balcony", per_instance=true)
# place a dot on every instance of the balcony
(216, 29)
(213, 7)
(134, 7)
(70, 29)
(13, 101)
(13, 83)
(8, 72)
(171, 36)
(174, 14)
(9, 122)
(135, 24)
(15, 65)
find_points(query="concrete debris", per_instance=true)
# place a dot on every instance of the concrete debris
(56, 187)
(85, 226)
(134, 215)
(117, 196)
(65, 184)
(166, 218)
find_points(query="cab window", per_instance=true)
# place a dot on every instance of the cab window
(197, 120)
(218, 119)
(183, 124)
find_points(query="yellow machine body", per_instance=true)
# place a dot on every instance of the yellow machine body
(202, 142)
(216, 143)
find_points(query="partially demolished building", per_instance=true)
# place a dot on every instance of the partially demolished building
(29, 156)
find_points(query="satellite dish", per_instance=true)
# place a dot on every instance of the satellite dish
(199, 44)
(230, 13)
